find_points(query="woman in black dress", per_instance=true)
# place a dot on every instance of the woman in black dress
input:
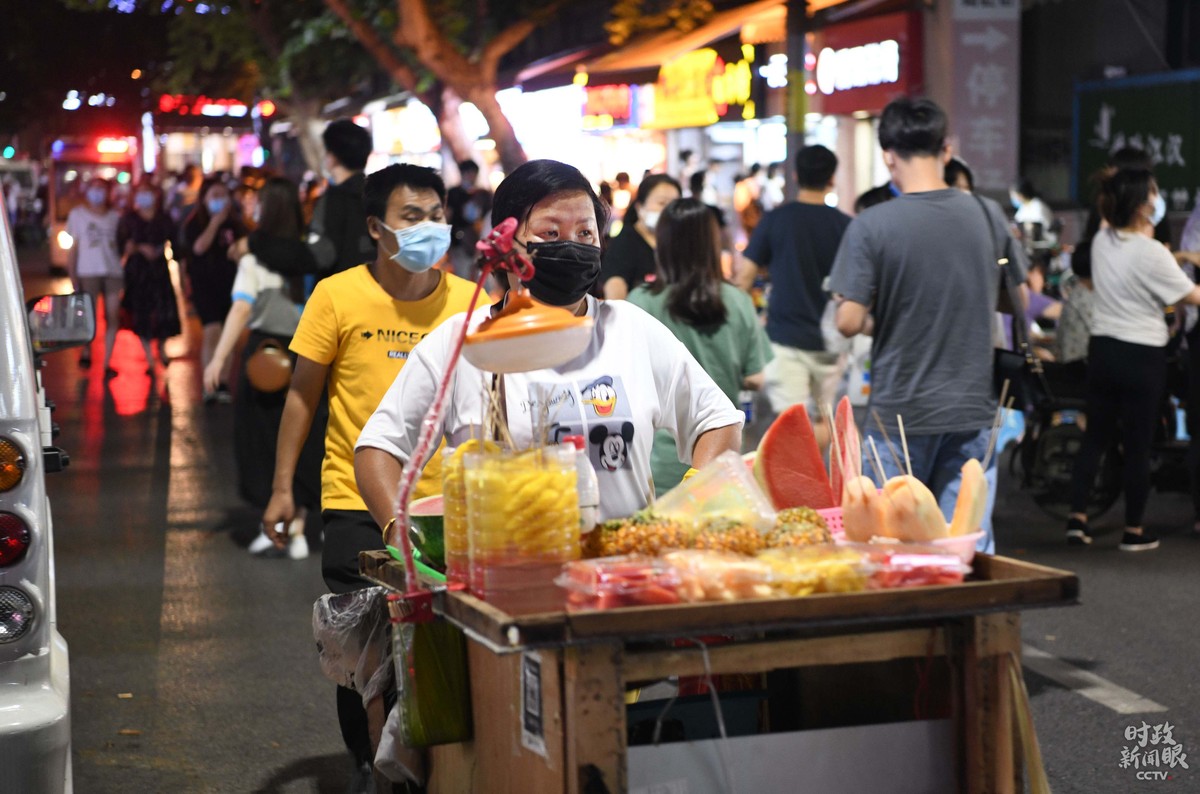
(148, 307)
(214, 225)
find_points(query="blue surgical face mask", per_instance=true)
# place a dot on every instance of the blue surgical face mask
(420, 246)
(96, 195)
(1016, 202)
(216, 205)
(1160, 209)
(143, 201)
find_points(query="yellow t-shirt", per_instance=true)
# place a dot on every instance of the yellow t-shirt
(353, 326)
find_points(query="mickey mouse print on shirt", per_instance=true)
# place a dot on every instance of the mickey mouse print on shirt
(599, 410)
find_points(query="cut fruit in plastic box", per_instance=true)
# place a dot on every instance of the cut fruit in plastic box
(614, 582)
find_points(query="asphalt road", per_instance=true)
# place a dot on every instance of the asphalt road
(193, 666)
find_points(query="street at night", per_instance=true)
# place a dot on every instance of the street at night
(599, 396)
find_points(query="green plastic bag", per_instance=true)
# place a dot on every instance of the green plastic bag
(433, 684)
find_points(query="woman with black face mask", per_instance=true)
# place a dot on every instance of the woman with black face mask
(634, 377)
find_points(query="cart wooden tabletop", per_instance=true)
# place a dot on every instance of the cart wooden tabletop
(997, 584)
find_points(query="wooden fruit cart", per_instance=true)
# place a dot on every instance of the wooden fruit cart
(585, 661)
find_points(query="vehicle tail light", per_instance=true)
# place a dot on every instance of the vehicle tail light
(12, 464)
(14, 539)
(16, 614)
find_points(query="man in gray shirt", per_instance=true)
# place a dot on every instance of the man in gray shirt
(919, 274)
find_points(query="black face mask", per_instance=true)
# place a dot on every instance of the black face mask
(564, 271)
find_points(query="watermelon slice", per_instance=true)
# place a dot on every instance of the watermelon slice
(849, 446)
(788, 465)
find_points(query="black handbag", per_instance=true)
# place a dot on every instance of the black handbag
(1019, 368)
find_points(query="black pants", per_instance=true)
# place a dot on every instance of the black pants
(256, 419)
(347, 532)
(1125, 387)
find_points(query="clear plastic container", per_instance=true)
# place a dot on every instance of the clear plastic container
(615, 582)
(911, 564)
(719, 576)
(522, 525)
(816, 569)
(454, 517)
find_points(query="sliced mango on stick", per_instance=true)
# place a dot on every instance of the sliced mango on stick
(972, 499)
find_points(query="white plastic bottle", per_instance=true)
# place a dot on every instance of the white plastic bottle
(587, 484)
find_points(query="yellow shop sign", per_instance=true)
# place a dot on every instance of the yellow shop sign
(700, 88)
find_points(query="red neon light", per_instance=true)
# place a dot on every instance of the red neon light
(43, 305)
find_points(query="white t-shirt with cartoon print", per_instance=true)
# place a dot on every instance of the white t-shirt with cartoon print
(634, 378)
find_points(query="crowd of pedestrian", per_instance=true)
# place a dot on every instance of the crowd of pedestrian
(899, 307)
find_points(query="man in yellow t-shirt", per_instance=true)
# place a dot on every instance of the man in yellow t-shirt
(355, 334)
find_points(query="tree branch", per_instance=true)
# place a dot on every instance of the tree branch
(504, 41)
(401, 72)
(417, 31)
(261, 23)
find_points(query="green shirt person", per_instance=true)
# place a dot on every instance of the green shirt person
(714, 320)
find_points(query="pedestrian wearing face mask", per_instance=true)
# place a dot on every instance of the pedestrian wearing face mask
(268, 304)
(1135, 279)
(629, 260)
(149, 308)
(94, 262)
(356, 333)
(633, 379)
(209, 231)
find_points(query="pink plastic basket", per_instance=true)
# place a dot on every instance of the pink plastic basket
(833, 520)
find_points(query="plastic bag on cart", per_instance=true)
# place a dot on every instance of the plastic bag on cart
(433, 691)
(353, 637)
(395, 761)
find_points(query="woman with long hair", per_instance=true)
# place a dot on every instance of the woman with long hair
(1135, 279)
(629, 260)
(267, 303)
(715, 320)
(148, 307)
(212, 227)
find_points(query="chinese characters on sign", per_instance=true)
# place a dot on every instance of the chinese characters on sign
(986, 102)
(1155, 114)
(1153, 752)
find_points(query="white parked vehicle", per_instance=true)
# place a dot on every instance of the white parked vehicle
(35, 717)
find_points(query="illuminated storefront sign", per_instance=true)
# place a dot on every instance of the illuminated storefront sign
(702, 88)
(605, 106)
(862, 65)
(856, 67)
(183, 105)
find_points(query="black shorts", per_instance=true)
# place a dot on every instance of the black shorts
(347, 532)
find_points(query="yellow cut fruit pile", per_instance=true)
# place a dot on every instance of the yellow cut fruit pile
(816, 569)
(523, 504)
(454, 495)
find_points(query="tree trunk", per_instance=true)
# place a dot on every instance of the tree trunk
(304, 117)
(456, 147)
(508, 148)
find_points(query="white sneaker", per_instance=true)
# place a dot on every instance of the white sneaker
(297, 543)
(261, 543)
